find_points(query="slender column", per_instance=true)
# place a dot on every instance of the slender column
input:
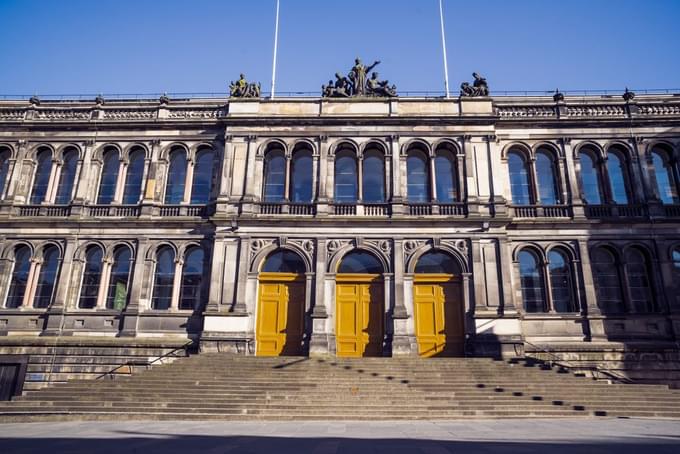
(550, 305)
(130, 314)
(55, 175)
(319, 308)
(59, 306)
(217, 277)
(239, 305)
(571, 176)
(398, 193)
(360, 178)
(104, 283)
(641, 187)
(5, 191)
(251, 151)
(83, 173)
(322, 193)
(433, 179)
(188, 183)
(120, 181)
(399, 306)
(231, 249)
(31, 281)
(176, 283)
(151, 176)
(76, 182)
(506, 268)
(499, 183)
(287, 179)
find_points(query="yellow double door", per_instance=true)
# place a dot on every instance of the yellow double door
(437, 302)
(359, 313)
(280, 314)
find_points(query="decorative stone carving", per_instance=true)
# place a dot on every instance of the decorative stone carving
(243, 89)
(383, 246)
(459, 245)
(628, 95)
(357, 84)
(478, 88)
(99, 100)
(164, 100)
(410, 246)
(558, 97)
(333, 246)
(258, 244)
(305, 245)
(34, 100)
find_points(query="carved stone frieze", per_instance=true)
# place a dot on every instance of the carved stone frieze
(333, 246)
(257, 244)
(459, 245)
(410, 246)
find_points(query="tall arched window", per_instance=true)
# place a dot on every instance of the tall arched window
(109, 177)
(417, 177)
(639, 281)
(675, 258)
(301, 177)
(590, 179)
(346, 186)
(373, 175)
(445, 177)
(283, 261)
(203, 172)
(92, 276)
(665, 179)
(274, 176)
(117, 294)
(177, 173)
(546, 171)
(19, 279)
(561, 282)
(532, 281)
(192, 280)
(132, 191)
(67, 178)
(47, 278)
(4, 168)
(164, 277)
(618, 178)
(437, 262)
(520, 189)
(361, 262)
(607, 281)
(42, 176)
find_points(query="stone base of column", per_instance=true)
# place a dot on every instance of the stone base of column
(404, 345)
(128, 324)
(319, 344)
(227, 333)
(53, 323)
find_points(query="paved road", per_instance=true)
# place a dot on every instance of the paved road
(552, 436)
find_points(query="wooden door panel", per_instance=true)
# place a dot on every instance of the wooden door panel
(359, 319)
(438, 318)
(280, 321)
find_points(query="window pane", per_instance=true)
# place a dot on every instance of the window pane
(664, 179)
(107, 185)
(284, 261)
(561, 282)
(42, 176)
(374, 177)
(301, 183)
(360, 262)
(445, 177)
(607, 282)
(437, 262)
(163, 279)
(92, 275)
(274, 177)
(203, 171)
(116, 297)
(174, 189)
(676, 260)
(545, 173)
(47, 278)
(132, 193)
(67, 178)
(4, 169)
(590, 180)
(192, 280)
(417, 178)
(639, 282)
(617, 178)
(22, 265)
(519, 180)
(346, 178)
(531, 282)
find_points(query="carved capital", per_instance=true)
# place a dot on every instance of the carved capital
(251, 138)
(565, 140)
(228, 138)
(491, 138)
(155, 142)
(393, 138)
(322, 138)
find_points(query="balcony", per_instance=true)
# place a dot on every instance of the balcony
(540, 211)
(616, 211)
(443, 209)
(297, 209)
(185, 210)
(44, 210)
(100, 211)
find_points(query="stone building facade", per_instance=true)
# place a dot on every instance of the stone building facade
(558, 220)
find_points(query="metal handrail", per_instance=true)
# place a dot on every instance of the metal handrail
(146, 363)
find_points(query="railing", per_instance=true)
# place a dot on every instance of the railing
(541, 211)
(344, 209)
(298, 209)
(377, 209)
(44, 210)
(302, 209)
(420, 209)
(453, 209)
(127, 367)
(671, 211)
(615, 211)
(113, 210)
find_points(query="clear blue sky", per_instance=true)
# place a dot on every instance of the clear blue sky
(143, 46)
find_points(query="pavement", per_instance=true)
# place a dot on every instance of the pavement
(552, 436)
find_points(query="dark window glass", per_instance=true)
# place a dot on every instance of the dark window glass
(437, 262)
(373, 174)
(676, 260)
(67, 178)
(4, 168)
(445, 177)
(519, 179)
(639, 281)
(92, 276)
(47, 278)
(301, 177)
(417, 178)
(360, 262)
(203, 171)
(547, 183)
(607, 281)
(163, 278)
(22, 266)
(107, 184)
(531, 282)
(616, 168)
(177, 175)
(117, 294)
(42, 176)
(274, 177)
(346, 190)
(132, 192)
(561, 282)
(192, 280)
(284, 261)
(590, 180)
(663, 171)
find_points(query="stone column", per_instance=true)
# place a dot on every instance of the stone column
(217, 277)
(120, 180)
(52, 183)
(398, 191)
(588, 302)
(56, 311)
(104, 282)
(404, 338)
(249, 196)
(12, 179)
(499, 183)
(322, 173)
(318, 344)
(177, 283)
(130, 315)
(239, 306)
(572, 179)
(31, 281)
(641, 187)
(188, 181)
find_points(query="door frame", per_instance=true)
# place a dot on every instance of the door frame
(22, 362)
(361, 278)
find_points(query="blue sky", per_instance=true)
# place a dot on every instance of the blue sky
(144, 46)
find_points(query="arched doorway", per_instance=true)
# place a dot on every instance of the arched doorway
(281, 305)
(438, 305)
(359, 305)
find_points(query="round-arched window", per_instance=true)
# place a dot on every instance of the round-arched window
(532, 281)
(283, 261)
(360, 262)
(417, 177)
(438, 262)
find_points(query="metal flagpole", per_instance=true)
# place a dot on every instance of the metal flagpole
(276, 42)
(446, 69)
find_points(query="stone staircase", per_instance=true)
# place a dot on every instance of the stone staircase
(223, 386)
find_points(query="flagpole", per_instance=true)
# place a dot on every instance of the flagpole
(276, 42)
(446, 69)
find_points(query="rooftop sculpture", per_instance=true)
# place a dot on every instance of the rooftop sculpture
(243, 89)
(357, 84)
(478, 88)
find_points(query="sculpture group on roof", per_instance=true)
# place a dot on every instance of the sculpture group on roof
(243, 89)
(478, 88)
(357, 84)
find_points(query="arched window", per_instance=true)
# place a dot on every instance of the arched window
(92, 276)
(346, 186)
(42, 176)
(675, 258)
(445, 177)
(373, 175)
(301, 177)
(607, 281)
(132, 192)
(4, 168)
(361, 262)
(531, 281)
(639, 281)
(203, 172)
(417, 177)
(22, 266)
(47, 278)
(665, 180)
(192, 280)
(561, 282)
(109, 178)
(274, 176)
(519, 179)
(117, 294)
(164, 278)
(546, 176)
(437, 262)
(177, 174)
(618, 178)
(67, 178)
(283, 261)
(590, 180)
